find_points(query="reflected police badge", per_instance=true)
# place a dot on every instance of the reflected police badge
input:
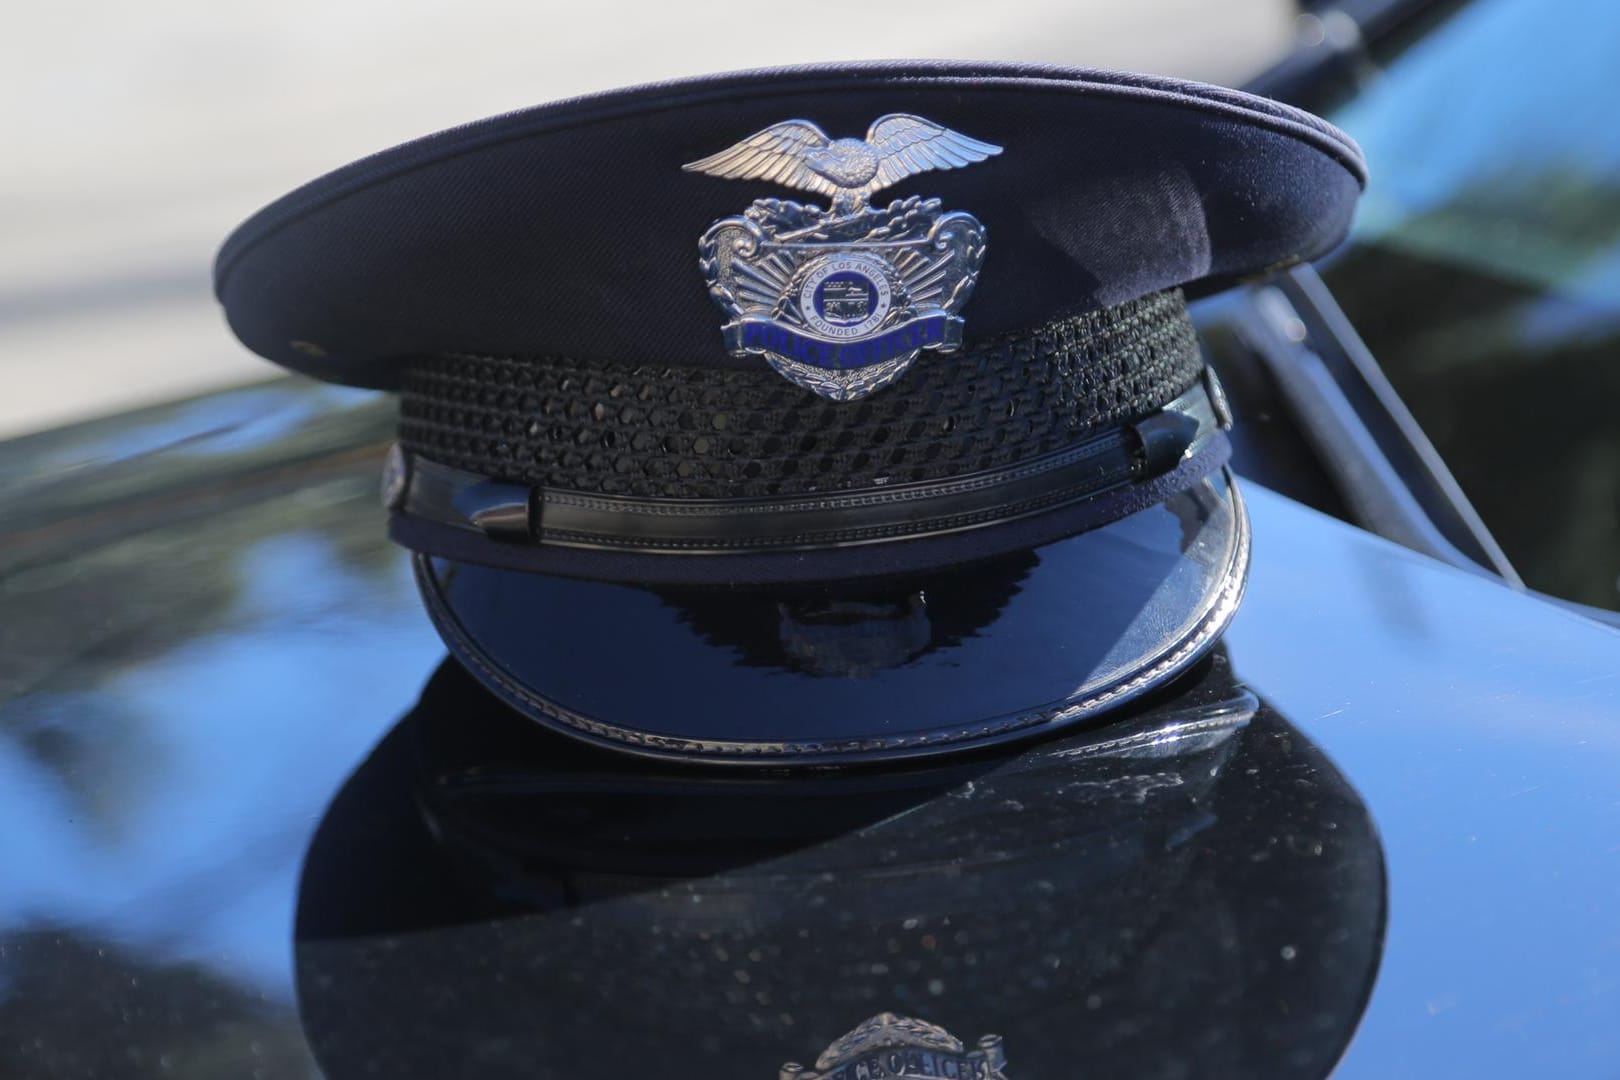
(890, 1047)
(841, 300)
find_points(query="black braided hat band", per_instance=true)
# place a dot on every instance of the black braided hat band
(607, 469)
(617, 428)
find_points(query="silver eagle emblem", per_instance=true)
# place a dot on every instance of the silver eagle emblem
(897, 1046)
(841, 300)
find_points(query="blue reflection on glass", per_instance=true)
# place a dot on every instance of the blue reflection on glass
(1493, 143)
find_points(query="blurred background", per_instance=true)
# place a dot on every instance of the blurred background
(139, 135)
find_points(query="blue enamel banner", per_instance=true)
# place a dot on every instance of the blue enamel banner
(756, 334)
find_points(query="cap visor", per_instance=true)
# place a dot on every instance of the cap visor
(864, 670)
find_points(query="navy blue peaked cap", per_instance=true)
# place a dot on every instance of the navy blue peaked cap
(695, 464)
(553, 230)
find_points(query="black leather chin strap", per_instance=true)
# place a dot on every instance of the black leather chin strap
(509, 513)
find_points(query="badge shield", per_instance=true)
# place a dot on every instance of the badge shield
(842, 307)
(841, 300)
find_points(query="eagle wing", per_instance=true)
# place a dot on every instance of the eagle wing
(906, 145)
(775, 154)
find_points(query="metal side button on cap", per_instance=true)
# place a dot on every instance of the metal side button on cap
(396, 478)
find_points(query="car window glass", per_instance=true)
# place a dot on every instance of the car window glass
(1484, 271)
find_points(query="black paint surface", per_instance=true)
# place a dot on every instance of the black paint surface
(205, 636)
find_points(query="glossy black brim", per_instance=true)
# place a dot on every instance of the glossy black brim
(1008, 648)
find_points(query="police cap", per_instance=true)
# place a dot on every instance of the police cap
(808, 415)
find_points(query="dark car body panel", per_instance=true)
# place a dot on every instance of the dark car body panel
(205, 633)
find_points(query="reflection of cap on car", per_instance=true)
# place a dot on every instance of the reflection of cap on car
(667, 361)
(1194, 891)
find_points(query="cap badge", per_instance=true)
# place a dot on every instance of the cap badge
(895, 1046)
(841, 300)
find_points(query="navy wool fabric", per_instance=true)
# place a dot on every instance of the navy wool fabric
(571, 230)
